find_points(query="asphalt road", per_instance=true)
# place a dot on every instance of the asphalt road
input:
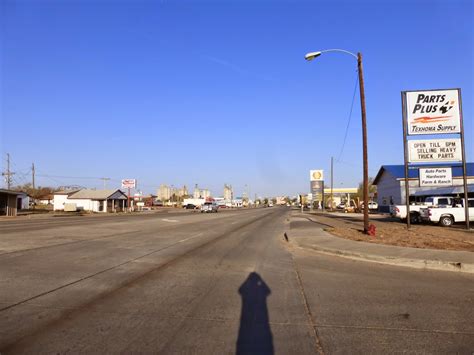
(214, 283)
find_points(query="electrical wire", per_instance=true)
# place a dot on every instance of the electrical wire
(349, 119)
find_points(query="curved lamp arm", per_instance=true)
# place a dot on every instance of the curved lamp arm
(312, 55)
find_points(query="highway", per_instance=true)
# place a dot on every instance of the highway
(212, 284)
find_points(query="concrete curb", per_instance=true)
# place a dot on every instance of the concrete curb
(396, 261)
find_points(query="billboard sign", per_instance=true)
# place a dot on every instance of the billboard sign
(316, 188)
(433, 112)
(129, 183)
(434, 150)
(436, 177)
(316, 175)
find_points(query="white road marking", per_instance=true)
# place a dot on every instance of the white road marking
(235, 222)
(169, 220)
(191, 237)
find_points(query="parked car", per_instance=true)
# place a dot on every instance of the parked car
(372, 205)
(448, 215)
(190, 206)
(341, 206)
(400, 211)
(208, 207)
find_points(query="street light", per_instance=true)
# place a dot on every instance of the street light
(312, 55)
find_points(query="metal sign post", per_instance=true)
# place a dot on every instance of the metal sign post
(129, 184)
(464, 172)
(405, 157)
(433, 112)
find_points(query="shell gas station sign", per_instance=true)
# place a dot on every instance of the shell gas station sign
(316, 175)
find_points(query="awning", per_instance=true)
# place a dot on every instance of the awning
(449, 190)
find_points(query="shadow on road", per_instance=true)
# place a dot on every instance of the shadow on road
(255, 335)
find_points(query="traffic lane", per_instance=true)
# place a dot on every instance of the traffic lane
(367, 307)
(24, 224)
(199, 303)
(34, 271)
(42, 285)
(75, 231)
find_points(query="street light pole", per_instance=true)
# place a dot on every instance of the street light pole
(358, 57)
(364, 143)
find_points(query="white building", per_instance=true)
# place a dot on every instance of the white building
(91, 200)
(228, 193)
(60, 198)
(201, 193)
(164, 192)
(238, 202)
(182, 192)
(390, 182)
(23, 201)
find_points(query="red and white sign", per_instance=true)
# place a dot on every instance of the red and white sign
(129, 183)
(433, 112)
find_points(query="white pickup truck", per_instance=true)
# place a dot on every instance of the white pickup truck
(447, 216)
(400, 211)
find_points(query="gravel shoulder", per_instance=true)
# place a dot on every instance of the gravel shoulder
(391, 232)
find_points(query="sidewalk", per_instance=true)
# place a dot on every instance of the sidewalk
(307, 233)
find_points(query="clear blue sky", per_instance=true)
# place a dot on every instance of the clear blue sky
(214, 92)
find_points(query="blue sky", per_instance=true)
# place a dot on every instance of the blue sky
(214, 92)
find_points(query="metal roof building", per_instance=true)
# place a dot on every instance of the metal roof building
(390, 181)
(91, 200)
(9, 202)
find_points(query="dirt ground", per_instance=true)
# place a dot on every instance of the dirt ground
(393, 232)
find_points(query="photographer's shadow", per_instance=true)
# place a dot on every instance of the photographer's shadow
(255, 335)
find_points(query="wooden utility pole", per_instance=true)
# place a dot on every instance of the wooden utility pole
(33, 175)
(332, 182)
(364, 143)
(8, 173)
(33, 184)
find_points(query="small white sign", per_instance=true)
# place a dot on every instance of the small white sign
(434, 150)
(433, 112)
(436, 177)
(316, 175)
(129, 183)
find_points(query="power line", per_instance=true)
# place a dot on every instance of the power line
(69, 177)
(348, 120)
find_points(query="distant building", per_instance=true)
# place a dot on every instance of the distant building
(201, 193)
(23, 201)
(206, 193)
(182, 192)
(228, 193)
(164, 192)
(8, 202)
(238, 202)
(280, 200)
(45, 199)
(90, 200)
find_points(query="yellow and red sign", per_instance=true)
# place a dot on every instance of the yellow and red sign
(433, 112)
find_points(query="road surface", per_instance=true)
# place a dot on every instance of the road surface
(213, 284)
